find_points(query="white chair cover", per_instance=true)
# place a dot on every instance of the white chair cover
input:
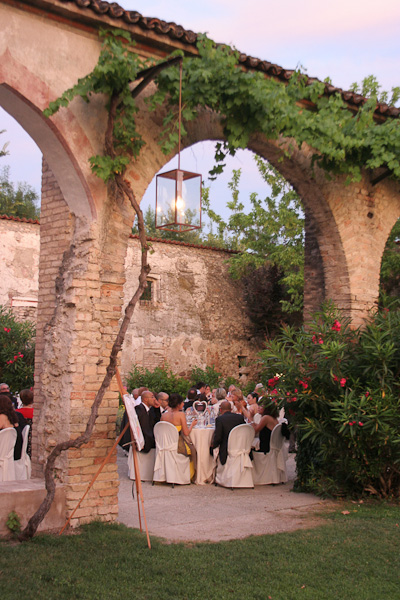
(236, 472)
(23, 465)
(8, 437)
(271, 468)
(146, 464)
(169, 466)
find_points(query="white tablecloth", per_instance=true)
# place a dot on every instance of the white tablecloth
(201, 439)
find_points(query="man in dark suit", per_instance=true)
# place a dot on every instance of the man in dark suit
(224, 424)
(147, 419)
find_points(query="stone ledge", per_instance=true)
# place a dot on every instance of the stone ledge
(24, 497)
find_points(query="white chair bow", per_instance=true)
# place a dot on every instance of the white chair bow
(271, 468)
(236, 472)
(8, 437)
(23, 465)
(169, 466)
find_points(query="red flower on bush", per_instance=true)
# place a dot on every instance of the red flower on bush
(351, 423)
(7, 329)
(335, 378)
(336, 326)
(320, 341)
(361, 424)
(343, 382)
(272, 382)
(304, 384)
(366, 394)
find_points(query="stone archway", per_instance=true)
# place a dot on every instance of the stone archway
(46, 47)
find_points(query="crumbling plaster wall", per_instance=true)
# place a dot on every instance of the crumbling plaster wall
(196, 316)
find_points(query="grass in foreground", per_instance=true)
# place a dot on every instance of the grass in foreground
(354, 557)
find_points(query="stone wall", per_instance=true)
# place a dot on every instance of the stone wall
(196, 315)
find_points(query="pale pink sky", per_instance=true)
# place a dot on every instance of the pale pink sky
(344, 39)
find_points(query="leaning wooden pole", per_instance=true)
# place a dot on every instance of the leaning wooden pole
(138, 481)
(105, 461)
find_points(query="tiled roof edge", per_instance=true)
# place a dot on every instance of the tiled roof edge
(19, 219)
(177, 32)
(187, 244)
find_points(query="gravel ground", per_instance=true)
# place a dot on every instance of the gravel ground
(210, 513)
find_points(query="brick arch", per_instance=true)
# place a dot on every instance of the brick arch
(62, 141)
(347, 225)
(326, 263)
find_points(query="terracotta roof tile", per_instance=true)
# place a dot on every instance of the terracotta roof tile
(177, 32)
(19, 219)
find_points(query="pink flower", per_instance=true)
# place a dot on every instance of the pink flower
(295, 391)
(294, 399)
(7, 329)
(320, 341)
(287, 393)
(314, 339)
(360, 423)
(10, 362)
(304, 384)
(351, 423)
(336, 326)
(15, 357)
(366, 394)
(343, 382)
(335, 378)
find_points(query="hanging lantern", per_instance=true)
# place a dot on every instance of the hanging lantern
(178, 193)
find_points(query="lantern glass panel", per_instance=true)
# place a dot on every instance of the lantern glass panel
(178, 204)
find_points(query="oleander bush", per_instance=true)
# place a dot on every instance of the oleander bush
(340, 389)
(17, 351)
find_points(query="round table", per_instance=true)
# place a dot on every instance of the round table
(201, 438)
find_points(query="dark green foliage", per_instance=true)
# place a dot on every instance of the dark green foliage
(251, 103)
(390, 266)
(341, 387)
(21, 201)
(17, 351)
(162, 379)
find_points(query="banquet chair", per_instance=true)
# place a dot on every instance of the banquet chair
(23, 465)
(146, 464)
(169, 466)
(271, 468)
(236, 472)
(8, 437)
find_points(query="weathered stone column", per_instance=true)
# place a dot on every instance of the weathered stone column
(80, 300)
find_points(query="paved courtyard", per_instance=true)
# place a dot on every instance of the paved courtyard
(206, 512)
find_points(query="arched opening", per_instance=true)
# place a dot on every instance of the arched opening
(54, 149)
(390, 264)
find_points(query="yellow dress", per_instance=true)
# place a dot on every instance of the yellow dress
(192, 471)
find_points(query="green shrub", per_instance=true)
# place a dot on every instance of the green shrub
(162, 379)
(17, 351)
(340, 387)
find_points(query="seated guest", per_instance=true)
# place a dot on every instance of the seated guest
(191, 397)
(27, 404)
(224, 424)
(269, 419)
(176, 417)
(162, 399)
(147, 419)
(9, 418)
(160, 402)
(27, 412)
(239, 403)
(208, 393)
(252, 405)
(5, 389)
(220, 396)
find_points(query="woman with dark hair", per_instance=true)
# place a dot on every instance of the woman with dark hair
(269, 419)
(252, 405)
(9, 418)
(176, 417)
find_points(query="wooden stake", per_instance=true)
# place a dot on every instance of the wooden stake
(138, 481)
(105, 461)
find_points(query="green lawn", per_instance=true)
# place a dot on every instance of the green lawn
(354, 557)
